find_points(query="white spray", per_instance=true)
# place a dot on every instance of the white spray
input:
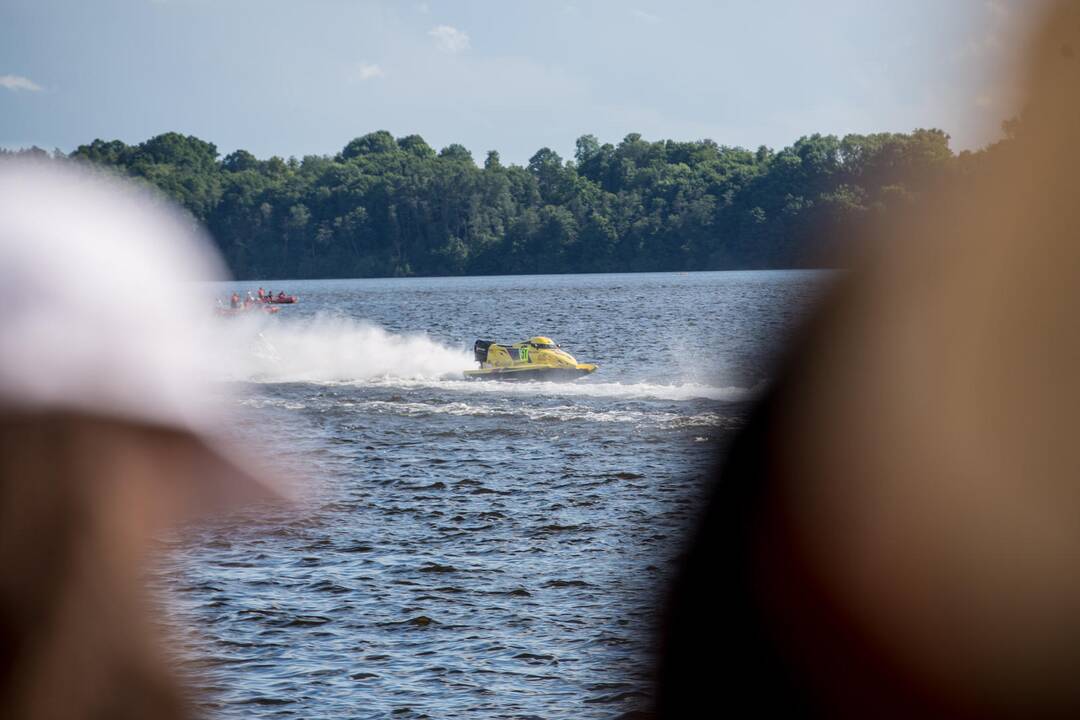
(327, 349)
(330, 350)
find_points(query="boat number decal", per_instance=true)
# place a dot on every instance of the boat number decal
(524, 354)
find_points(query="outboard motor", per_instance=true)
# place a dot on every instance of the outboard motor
(480, 350)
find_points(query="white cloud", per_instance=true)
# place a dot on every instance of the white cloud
(367, 71)
(646, 16)
(18, 82)
(449, 39)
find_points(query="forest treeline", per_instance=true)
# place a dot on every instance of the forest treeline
(387, 206)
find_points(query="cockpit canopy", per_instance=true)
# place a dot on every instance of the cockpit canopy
(542, 343)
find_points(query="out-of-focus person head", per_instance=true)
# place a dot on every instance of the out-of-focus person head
(108, 433)
(896, 532)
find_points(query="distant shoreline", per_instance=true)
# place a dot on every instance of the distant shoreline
(285, 281)
(389, 207)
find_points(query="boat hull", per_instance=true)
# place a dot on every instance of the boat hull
(530, 373)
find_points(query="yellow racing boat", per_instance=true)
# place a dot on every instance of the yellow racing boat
(538, 358)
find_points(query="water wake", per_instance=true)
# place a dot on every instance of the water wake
(331, 350)
(335, 351)
(515, 414)
(589, 388)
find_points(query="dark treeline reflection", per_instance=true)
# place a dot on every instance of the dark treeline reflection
(394, 207)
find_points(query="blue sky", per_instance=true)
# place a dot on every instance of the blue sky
(297, 77)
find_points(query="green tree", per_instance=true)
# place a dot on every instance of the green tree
(374, 143)
(394, 207)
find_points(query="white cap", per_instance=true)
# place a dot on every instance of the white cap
(102, 313)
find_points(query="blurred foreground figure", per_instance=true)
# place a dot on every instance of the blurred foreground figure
(105, 432)
(896, 533)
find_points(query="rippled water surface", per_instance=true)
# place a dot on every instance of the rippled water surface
(462, 548)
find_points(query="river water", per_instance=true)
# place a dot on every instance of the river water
(462, 548)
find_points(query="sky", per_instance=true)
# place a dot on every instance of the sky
(300, 77)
